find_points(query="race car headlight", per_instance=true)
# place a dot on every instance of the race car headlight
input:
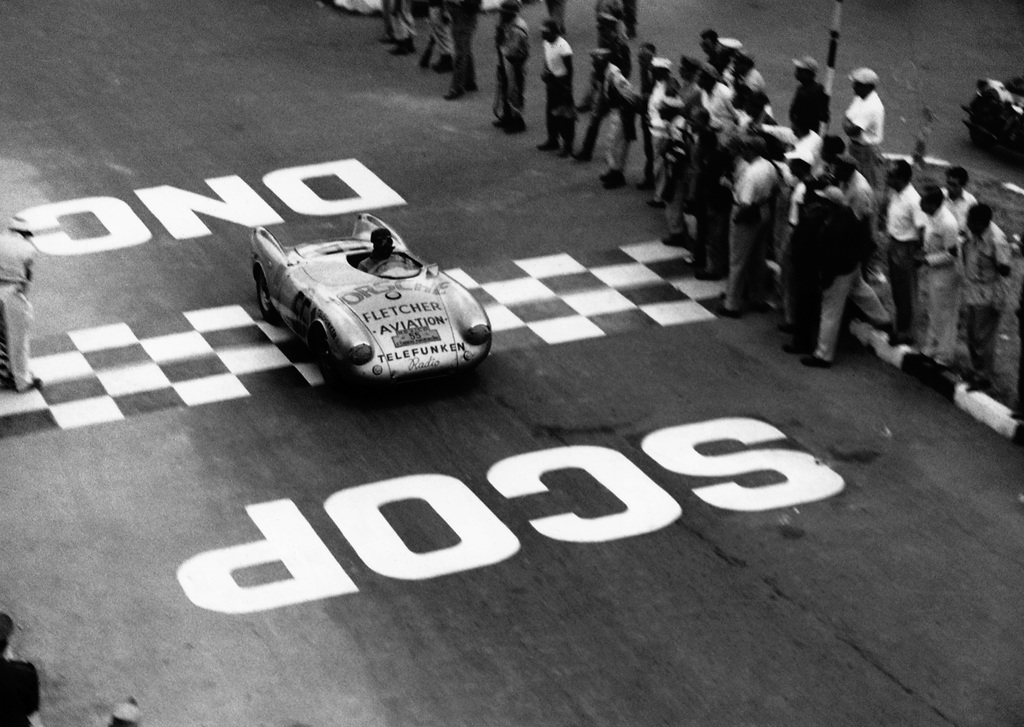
(478, 334)
(360, 354)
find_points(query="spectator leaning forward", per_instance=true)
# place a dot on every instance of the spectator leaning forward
(19, 682)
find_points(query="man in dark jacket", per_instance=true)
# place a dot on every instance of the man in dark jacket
(809, 108)
(842, 244)
(19, 683)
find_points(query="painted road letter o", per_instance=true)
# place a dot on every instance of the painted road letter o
(124, 228)
(484, 539)
(371, 193)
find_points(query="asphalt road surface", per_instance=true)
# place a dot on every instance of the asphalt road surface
(641, 516)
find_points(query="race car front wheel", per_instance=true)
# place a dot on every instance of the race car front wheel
(267, 309)
(322, 355)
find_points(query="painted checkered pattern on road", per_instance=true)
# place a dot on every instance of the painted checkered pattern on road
(116, 371)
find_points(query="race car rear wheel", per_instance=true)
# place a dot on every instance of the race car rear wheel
(267, 309)
(321, 351)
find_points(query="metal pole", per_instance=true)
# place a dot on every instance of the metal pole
(833, 46)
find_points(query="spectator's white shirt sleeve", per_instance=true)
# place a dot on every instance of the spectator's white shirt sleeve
(960, 206)
(869, 114)
(903, 215)
(941, 235)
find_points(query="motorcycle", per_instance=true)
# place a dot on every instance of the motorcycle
(995, 116)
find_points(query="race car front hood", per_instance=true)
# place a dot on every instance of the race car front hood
(409, 322)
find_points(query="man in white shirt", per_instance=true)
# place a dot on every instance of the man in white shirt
(658, 128)
(557, 77)
(746, 79)
(757, 181)
(716, 98)
(902, 220)
(787, 216)
(622, 102)
(865, 124)
(958, 199)
(940, 238)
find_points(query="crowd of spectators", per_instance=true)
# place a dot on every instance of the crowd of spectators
(741, 184)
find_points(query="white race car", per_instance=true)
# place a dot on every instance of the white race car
(416, 324)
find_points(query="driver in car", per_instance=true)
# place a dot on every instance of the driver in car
(384, 261)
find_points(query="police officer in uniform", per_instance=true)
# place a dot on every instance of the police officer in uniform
(16, 256)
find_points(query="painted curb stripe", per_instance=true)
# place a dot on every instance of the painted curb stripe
(977, 404)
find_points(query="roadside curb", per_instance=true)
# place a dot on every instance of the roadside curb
(977, 404)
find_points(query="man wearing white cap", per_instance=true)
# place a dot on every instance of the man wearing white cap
(809, 107)
(16, 257)
(865, 124)
(126, 714)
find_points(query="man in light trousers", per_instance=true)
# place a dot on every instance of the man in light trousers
(16, 260)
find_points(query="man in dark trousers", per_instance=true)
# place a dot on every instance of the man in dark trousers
(19, 683)
(463, 14)
(809, 108)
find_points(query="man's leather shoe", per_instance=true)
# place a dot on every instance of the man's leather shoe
(548, 146)
(727, 312)
(656, 204)
(452, 95)
(979, 384)
(708, 275)
(614, 180)
(645, 185)
(816, 363)
(793, 348)
(403, 48)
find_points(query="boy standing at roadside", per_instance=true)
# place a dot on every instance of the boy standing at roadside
(986, 262)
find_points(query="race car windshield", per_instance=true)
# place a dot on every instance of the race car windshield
(319, 249)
